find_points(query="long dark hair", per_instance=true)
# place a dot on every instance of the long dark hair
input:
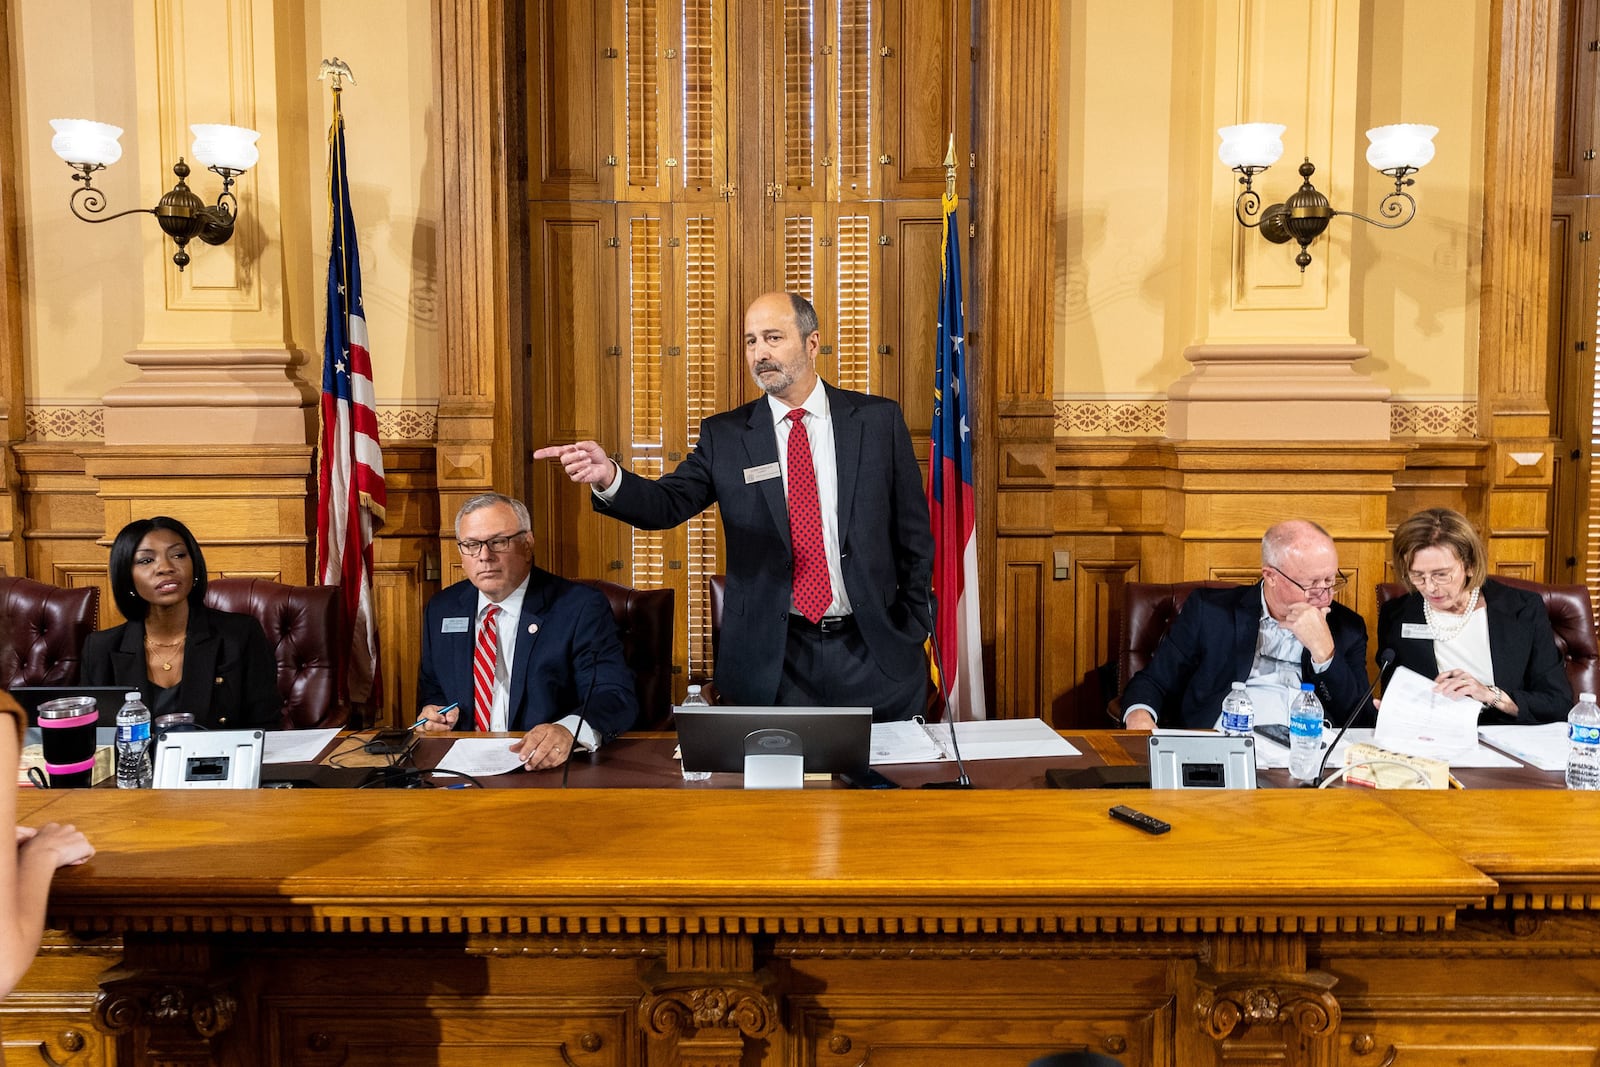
(131, 604)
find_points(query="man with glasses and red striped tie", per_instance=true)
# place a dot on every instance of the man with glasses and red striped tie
(517, 649)
(1274, 635)
(829, 547)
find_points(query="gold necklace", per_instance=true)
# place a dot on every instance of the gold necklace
(167, 666)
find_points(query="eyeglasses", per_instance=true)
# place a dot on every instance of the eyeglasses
(1326, 587)
(1434, 578)
(496, 544)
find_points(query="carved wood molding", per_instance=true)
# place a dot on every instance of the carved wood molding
(680, 1005)
(1227, 1005)
(182, 1011)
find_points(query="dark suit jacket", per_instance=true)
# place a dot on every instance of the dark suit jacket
(570, 663)
(1522, 648)
(885, 538)
(230, 676)
(1212, 644)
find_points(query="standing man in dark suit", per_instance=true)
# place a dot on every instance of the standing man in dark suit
(829, 544)
(515, 648)
(1274, 635)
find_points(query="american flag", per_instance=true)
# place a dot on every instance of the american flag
(950, 497)
(350, 488)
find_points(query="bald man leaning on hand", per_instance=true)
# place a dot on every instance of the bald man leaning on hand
(1274, 635)
(829, 547)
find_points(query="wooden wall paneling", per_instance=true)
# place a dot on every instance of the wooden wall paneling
(910, 307)
(64, 520)
(405, 560)
(483, 424)
(575, 140)
(1513, 400)
(1010, 322)
(1021, 632)
(925, 62)
(1079, 687)
(1573, 299)
(579, 363)
(13, 394)
(1439, 473)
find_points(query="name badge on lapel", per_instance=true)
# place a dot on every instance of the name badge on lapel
(1421, 631)
(765, 472)
(459, 625)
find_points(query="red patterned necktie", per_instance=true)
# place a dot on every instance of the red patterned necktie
(813, 592)
(484, 659)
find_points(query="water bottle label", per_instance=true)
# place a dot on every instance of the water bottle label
(1236, 722)
(133, 733)
(1583, 735)
(1305, 726)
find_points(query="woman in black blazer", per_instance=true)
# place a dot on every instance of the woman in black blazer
(181, 655)
(1474, 636)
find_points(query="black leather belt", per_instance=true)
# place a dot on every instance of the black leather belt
(828, 624)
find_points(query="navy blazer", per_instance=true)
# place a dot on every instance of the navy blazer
(1212, 644)
(1522, 649)
(568, 658)
(885, 538)
(230, 676)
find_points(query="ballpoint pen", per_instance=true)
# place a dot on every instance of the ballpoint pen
(441, 713)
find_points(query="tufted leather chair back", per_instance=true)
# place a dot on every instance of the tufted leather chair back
(42, 630)
(305, 627)
(1571, 617)
(1146, 614)
(644, 623)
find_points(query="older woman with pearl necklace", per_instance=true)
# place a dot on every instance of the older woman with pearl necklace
(1476, 637)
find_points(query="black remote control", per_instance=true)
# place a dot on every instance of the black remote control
(1148, 823)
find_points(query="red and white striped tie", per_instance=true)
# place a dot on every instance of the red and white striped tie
(484, 659)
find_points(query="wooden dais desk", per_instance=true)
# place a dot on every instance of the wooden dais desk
(830, 928)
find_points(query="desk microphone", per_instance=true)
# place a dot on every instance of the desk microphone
(1385, 661)
(962, 781)
(583, 711)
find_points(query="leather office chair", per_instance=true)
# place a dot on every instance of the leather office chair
(644, 623)
(1571, 617)
(305, 627)
(42, 630)
(1140, 618)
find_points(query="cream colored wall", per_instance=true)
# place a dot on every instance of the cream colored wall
(85, 286)
(1136, 86)
(1416, 301)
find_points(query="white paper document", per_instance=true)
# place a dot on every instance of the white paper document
(295, 746)
(915, 741)
(480, 757)
(1419, 722)
(1543, 746)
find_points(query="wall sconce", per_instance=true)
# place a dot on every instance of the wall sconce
(1396, 152)
(228, 151)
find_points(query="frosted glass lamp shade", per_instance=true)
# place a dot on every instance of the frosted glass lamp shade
(1404, 144)
(228, 147)
(82, 141)
(1251, 144)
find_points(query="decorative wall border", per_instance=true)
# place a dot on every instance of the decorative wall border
(87, 422)
(396, 423)
(65, 423)
(1114, 417)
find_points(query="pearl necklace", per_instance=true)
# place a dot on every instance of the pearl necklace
(1440, 633)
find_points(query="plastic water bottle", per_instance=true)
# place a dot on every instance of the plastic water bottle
(133, 743)
(1583, 750)
(1305, 734)
(1238, 714)
(694, 699)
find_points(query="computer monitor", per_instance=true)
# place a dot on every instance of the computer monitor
(107, 698)
(834, 740)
